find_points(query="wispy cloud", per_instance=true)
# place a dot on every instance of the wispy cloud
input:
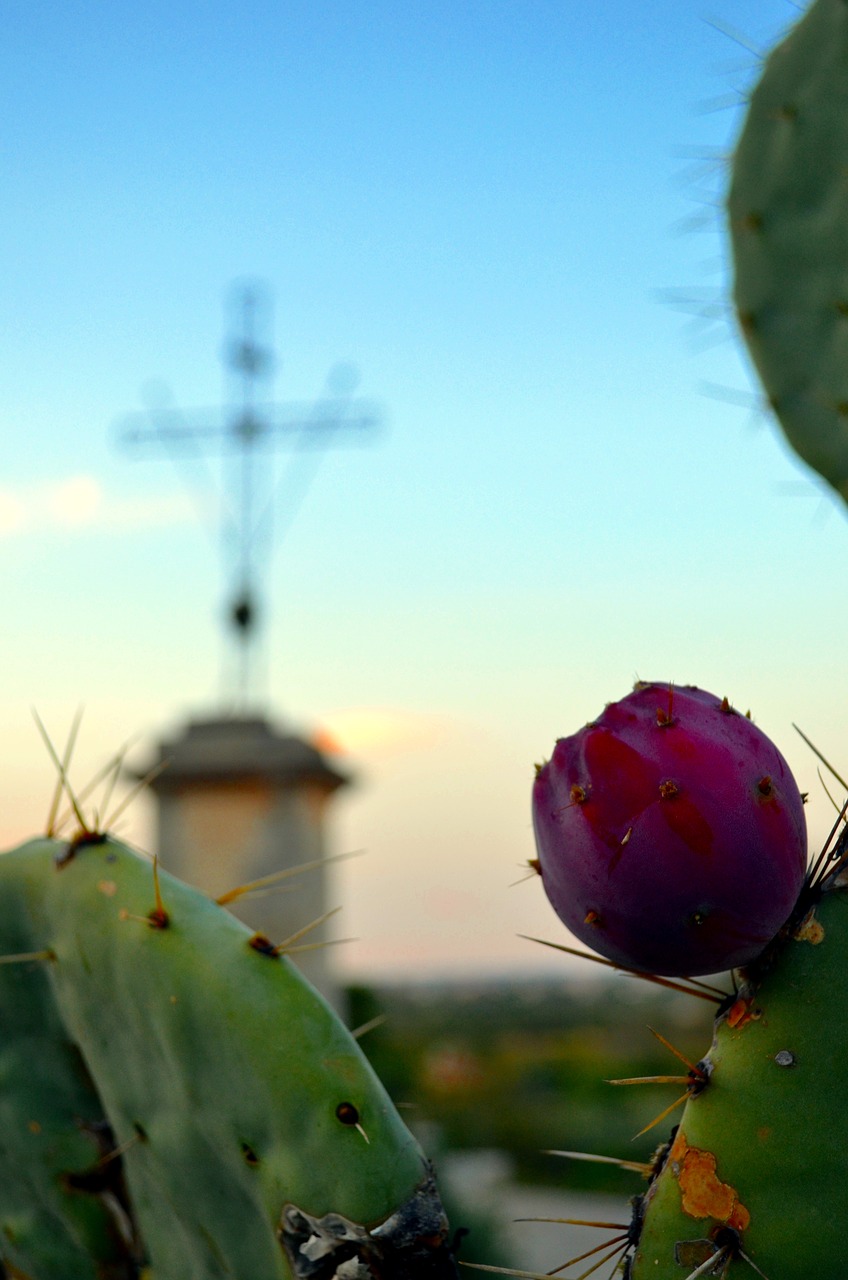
(79, 503)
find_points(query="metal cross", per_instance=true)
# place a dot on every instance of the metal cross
(253, 428)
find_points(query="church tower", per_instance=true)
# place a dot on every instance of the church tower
(238, 800)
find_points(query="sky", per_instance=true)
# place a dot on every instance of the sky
(507, 216)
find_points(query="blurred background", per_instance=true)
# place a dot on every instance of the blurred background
(506, 217)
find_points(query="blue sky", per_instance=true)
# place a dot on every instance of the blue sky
(492, 210)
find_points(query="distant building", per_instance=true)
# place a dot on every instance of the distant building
(237, 801)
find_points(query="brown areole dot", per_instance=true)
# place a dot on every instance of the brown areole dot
(752, 221)
(347, 1113)
(259, 942)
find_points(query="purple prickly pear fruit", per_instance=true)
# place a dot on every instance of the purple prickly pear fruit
(671, 833)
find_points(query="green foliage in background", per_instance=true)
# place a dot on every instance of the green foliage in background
(522, 1068)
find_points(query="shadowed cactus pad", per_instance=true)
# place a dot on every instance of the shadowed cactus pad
(788, 214)
(671, 833)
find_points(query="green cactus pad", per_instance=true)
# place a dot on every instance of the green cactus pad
(788, 213)
(234, 1090)
(53, 1131)
(759, 1161)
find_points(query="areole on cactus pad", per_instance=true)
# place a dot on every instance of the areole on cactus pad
(671, 833)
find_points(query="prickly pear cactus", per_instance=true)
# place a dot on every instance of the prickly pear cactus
(177, 1103)
(751, 1183)
(788, 214)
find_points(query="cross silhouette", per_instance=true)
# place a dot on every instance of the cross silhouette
(253, 428)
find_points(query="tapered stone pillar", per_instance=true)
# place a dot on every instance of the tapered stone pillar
(239, 800)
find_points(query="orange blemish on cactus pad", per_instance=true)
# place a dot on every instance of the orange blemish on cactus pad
(703, 1194)
(742, 1012)
(809, 930)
